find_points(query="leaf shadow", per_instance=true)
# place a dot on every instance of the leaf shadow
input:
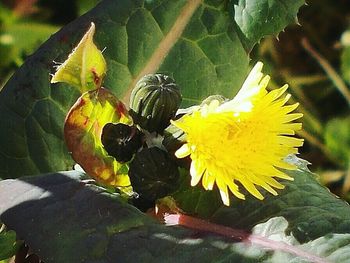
(64, 219)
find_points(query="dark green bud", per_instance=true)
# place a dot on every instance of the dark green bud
(153, 174)
(121, 141)
(154, 101)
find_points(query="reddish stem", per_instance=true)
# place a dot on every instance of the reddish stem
(240, 235)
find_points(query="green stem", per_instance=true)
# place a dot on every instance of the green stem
(330, 71)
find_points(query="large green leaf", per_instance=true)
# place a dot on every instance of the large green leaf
(74, 221)
(86, 5)
(258, 18)
(309, 208)
(199, 43)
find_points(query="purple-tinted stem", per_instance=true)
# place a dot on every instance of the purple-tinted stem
(239, 235)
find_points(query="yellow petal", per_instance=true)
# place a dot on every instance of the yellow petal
(223, 191)
(290, 141)
(210, 180)
(206, 180)
(290, 108)
(275, 94)
(234, 189)
(292, 117)
(271, 181)
(263, 184)
(196, 172)
(282, 175)
(183, 151)
(252, 189)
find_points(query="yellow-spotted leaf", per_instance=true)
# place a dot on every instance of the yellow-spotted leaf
(85, 67)
(82, 131)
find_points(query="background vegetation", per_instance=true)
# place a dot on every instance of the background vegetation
(26, 24)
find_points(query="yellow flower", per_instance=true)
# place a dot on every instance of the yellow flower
(244, 140)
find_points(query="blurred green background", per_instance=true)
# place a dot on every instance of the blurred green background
(313, 57)
(26, 24)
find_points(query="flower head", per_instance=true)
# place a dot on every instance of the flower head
(244, 140)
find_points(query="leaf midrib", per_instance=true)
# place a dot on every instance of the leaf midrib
(166, 44)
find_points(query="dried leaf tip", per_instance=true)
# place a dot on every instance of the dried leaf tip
(85, 67)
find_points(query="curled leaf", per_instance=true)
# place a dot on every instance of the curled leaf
(85, 67)
(83, 129)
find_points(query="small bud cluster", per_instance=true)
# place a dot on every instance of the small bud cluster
(153, 103)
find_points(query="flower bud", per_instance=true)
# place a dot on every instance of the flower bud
(121, 141)
(154, 101)
(153, 174)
